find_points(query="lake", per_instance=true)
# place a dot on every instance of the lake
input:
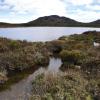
(41, 33)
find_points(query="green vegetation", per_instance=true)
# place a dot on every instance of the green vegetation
(17, 56)
(77, 49)
(81, 64)
(67, 86)
(72, 57)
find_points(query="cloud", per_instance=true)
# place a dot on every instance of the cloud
(93, 7)
(4, 7)
(26, 10)
(79, 2)
(85, 16)
(40, 6)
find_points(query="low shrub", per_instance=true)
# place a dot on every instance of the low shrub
(66, 86)
(91, 66)
(73, 56)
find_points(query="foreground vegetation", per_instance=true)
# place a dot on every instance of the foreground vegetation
(79, 50)
(80, 54)
(19, 56)
(66, 86)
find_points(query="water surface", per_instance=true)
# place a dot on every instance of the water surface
(41, 33)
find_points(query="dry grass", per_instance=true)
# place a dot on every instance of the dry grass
(70, 85)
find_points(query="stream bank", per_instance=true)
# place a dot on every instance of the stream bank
(22, 89)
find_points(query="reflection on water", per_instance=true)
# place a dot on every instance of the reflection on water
(54, 65)
(22, 89)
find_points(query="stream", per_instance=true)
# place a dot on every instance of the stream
(22, 89)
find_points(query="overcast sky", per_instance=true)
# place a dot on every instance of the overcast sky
(19, 11)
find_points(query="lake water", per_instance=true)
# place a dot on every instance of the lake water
(41, 33)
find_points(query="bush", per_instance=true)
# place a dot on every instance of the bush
(73, 56)
(13, 44)
(56, 46)
(91, 66)
(68, 86)
(40, 59)
(66, 66)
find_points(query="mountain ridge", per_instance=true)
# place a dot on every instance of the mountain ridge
(53, 20)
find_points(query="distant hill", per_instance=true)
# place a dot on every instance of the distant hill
(2, 24)
(95, 23)
(54, 20)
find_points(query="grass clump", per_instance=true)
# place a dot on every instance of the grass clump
(67, 86)
(17, 56)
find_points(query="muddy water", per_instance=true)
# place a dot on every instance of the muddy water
(22, 89)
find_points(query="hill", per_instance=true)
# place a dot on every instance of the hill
(54, 20)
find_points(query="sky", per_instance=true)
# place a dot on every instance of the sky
(22, 11)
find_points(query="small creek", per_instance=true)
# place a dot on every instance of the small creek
(22, 89)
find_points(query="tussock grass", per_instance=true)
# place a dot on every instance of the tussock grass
(70, 85)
